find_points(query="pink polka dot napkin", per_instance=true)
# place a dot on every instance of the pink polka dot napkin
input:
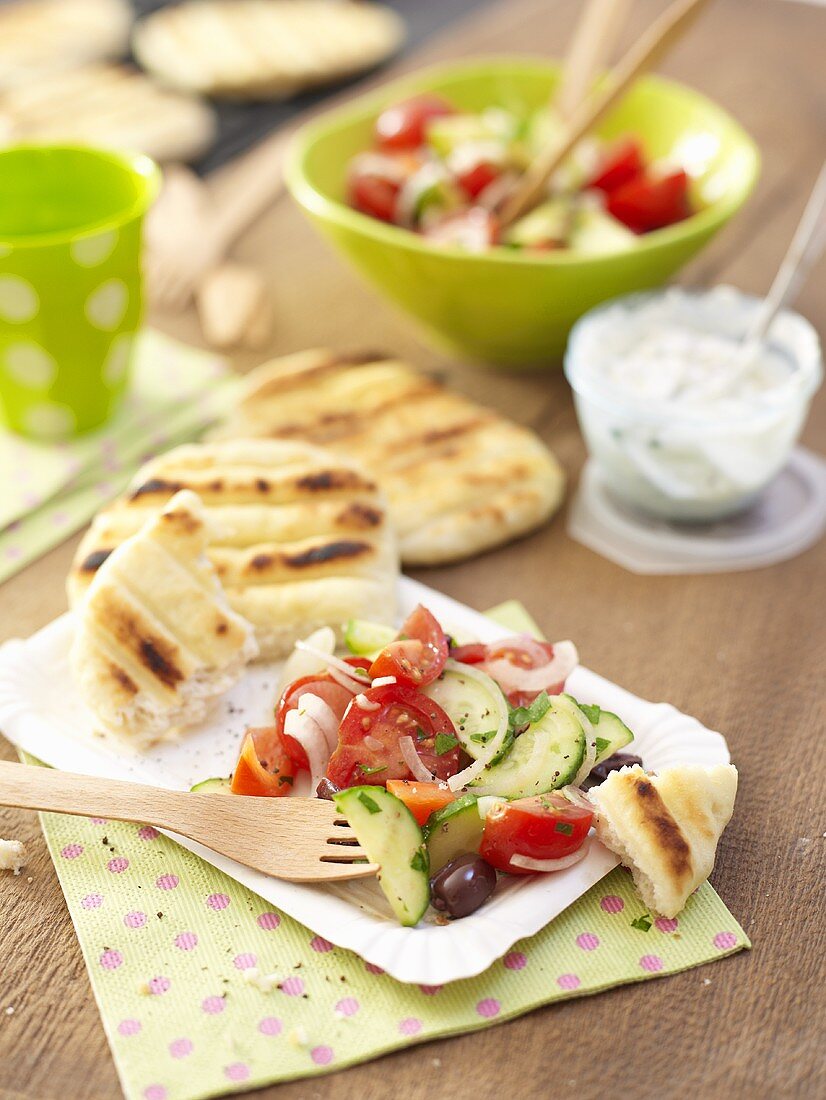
(52, 490)
(204, 989)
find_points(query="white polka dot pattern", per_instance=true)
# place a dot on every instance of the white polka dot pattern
(48, 420)
(18, 300)
(106, 306)
(91, 251)
(30, 365)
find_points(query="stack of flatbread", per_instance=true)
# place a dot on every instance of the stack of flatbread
(299, 539)
(665, 827)
(42, 37)
(264, 49)
(109, 105)
(459, 478)
(156, 639)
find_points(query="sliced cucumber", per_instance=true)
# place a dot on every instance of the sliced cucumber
(212, 786)
(365, 638)
(474, 703)
(546, 756)
(391, 837)
(611, 732)
(549, 222)
(594, 232)
(453, 831)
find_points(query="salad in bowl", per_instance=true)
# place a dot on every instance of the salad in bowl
(443, 172)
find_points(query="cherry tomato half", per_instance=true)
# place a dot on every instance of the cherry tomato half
(546, 826)
(368, 740)
(374, 195)
(474, 181)
(325, 687)
(422, 799)
(471, 654)
(404, 125)
(419, 653)
(622, 162)
(644, 204)
(264, 766)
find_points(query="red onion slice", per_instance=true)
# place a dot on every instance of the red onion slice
(331, 662)
(550, 674)
(363, 703)
(304, 729)
(322, 714)
(525, 863)
(413, 760)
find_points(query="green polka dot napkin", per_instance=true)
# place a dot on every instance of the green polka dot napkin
(51, 490)
(204, 989)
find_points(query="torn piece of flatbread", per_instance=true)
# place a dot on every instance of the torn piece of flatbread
(41, 37)
(300, 538)
(156, 638)
(110, 105)
(460, 478)
(264, 49)
(665, 827)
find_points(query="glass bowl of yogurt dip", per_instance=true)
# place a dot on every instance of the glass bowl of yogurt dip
(679, 421)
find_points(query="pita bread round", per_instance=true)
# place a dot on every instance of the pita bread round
(299, 538)
(460, 479)
(264, 49)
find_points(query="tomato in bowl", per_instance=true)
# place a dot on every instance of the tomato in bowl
(502, 305)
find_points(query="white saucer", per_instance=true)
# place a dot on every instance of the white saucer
(788, 518)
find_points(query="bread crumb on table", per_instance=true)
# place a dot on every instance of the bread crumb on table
(12, 856)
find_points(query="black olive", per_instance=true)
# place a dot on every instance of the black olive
(326, 789)
(462, 885)
(613, 764)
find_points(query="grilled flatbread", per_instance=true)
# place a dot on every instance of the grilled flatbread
(41, 37)
(665, 827)
(299, 539)
(156, 638)
(460, 479)
(109, 105)
(264, 49)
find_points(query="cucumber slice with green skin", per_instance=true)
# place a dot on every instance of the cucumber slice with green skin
(549, 222)
(212, 786)
(611, 732)
(453, 831)
(391, 837)
(367, 639)
(473, 702)
(543, 758)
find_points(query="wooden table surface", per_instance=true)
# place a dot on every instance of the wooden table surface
(745, 653)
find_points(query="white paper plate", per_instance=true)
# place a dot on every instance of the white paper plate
(41, 713)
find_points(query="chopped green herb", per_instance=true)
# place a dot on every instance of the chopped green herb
(507, 745)
(530, 715)
(419, 862)
(444, 743)
(483, 738)
(564, 827)
(420, 734)
(642, 923)
(591, 711)
(602, 744)
(372, 771)
(368, 803)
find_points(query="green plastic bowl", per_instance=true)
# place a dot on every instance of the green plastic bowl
(506, 307)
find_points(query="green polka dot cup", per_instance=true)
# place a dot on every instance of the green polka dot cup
(70, 283)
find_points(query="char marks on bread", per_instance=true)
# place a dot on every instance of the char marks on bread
(665, 827)
(298, 538)
(459, 478)
(156, 639)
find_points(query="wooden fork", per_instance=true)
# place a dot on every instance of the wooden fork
(298, 839)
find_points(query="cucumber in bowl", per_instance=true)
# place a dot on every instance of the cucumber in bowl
(390, 835)
(212, 786)
(612, 734)
(453, 831)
